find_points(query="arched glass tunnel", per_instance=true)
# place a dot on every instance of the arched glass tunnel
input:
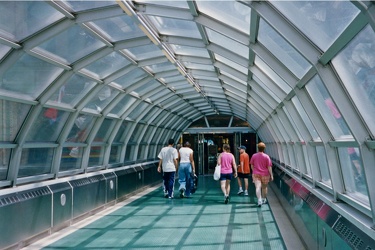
(92, 90)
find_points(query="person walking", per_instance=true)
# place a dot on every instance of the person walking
(186, 169)
(228, 171)
(168, 163)
(243, 171)
(261, 167)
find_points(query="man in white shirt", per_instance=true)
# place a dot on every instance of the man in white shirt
(168, 164)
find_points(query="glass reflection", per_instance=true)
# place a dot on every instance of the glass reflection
(75, 88)
(96, 156)
(47, 126)
(81, 128)
(35, 161)
(354, 181)
(29, 75)
(12, 117)
(321, 21)
(356, 68)
(71, 158)
(104, 97)
(4, 162)
(323, 165)
(20, 19)
(327, 108)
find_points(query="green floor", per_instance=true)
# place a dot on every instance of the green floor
(200, 222)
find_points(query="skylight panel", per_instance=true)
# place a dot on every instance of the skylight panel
(175, 27)
(144, 52)
(229, 12)
(282, 50)
(77, 6)
(107, 65)
(20, 19)
(118, 28)
(321, 21)
(71, 45)
(228, 43)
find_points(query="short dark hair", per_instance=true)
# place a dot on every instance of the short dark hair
(187, 144)
(170, 141)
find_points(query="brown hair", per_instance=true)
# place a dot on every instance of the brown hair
(261, 146)
(226, 147)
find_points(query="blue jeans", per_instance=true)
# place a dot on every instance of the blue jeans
(168, 178)
(184, 176)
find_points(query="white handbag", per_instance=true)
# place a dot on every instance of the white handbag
(217, 172)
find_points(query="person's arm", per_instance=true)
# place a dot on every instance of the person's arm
(192, 162)
(270, 171)
(219, 160)
(234, 166)
(176, 164)
(160, 164)
(241, 166)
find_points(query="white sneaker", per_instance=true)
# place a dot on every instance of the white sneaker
(246, 193)
(264, 201)
(260, 202)
(240, 191)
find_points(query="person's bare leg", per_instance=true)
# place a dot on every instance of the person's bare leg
(258, 192)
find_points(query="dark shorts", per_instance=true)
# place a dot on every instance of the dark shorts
(224, 177)
(242, 175)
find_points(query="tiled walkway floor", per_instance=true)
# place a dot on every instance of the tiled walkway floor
(150, 221)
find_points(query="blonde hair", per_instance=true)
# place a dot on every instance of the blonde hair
(261, 146)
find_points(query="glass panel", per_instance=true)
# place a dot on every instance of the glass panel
(151, 152)
(29, 76)
(186, 50)
(123, 105)
(232, 64)
(48, 125)
(149, 114)
(104, 131)
(327, 108)
(321, 21)
(229, 12)
(149, 134)
(355, 184)
(118, 28)
(323, 166)
(96, 156)
(306, 119)
(130, 78)
(178, 4)
(228, 43)
(121, 132)
(3, 49)
(272, 75)
(282, 50)
(175, 27)
(136, 133)
(114, 156)
(71, 158)
(35, 161)
(144, 52)
(4, 162)
(356, 67)
(12, 116)
(138, 111)
(86, 5)
(73, 90)
(161, 67)
(104, 97)
(19, 19)
(107, 65)
(147, 87)
(142, 152)
(81, 128)
(71, 45)
(156, 135)
(130, 153)
(160, 117)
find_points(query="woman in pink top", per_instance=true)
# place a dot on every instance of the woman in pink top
(261, 167)
(228, 166)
